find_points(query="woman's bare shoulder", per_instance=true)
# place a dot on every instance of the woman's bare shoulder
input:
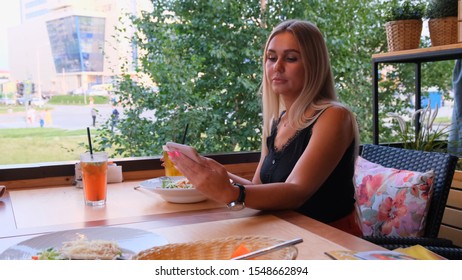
(336, 120)
(337, 111)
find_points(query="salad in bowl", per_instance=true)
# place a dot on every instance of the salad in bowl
(174, 189)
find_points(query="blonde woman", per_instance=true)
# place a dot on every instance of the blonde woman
(309, 142)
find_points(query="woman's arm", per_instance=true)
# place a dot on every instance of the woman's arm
(240, 180)
(332, 135)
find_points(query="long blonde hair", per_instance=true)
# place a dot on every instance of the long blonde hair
(318, 91)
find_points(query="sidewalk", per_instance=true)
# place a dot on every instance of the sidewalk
(70, 117)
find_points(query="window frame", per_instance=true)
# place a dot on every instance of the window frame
(58, 173)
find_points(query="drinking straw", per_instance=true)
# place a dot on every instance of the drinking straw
(184, 134)
(89, 141)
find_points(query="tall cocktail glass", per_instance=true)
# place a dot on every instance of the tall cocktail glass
(170, 169)
(94, 176)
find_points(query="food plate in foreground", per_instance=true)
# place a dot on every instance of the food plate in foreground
(131, 241)
(174, 189)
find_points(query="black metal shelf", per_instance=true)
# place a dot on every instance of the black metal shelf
(416, 56)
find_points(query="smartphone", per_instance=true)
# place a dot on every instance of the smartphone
(185, 150)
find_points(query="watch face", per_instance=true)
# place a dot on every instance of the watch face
(235, 206)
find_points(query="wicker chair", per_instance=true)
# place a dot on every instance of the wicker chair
(444, 166)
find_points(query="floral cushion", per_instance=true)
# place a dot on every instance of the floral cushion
(392, 202)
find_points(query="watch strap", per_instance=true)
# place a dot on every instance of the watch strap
(238, 204)
(241, 197)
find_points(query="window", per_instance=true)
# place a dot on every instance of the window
(57, 62)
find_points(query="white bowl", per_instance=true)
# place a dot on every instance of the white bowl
(175, 195)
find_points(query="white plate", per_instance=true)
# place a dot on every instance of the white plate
(173, 195)
(131, 241)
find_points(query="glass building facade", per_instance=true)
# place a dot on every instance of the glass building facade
(77, 43)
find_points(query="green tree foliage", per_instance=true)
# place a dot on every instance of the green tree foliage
(205, 59)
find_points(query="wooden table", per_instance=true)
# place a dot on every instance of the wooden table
(25, 213)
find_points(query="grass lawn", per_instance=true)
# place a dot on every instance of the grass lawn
(77, 99)
(11, 109)
(446, 120)
(32, 145)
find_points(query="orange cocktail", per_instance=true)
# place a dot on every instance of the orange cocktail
(94, 177)
(170, 169)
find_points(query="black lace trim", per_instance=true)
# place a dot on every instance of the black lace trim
(292, 138)
(289, 141)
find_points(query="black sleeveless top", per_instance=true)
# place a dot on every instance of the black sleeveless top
(334, 199)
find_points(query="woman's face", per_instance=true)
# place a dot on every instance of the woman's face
(284, 65)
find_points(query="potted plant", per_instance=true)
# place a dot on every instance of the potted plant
(442, 23)
(404, 24)
(428, 138)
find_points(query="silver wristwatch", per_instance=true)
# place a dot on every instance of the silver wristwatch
(238, 204)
